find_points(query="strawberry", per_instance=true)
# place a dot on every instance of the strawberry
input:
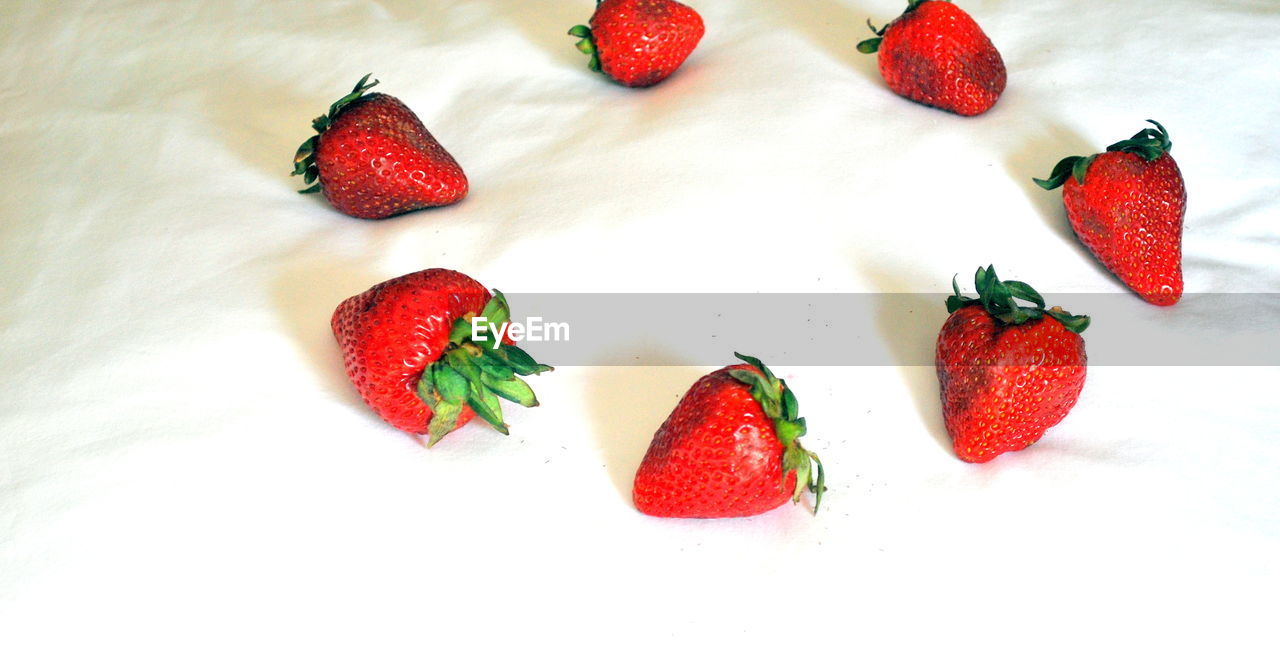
(1007, 372)
(409, 350)
(1126, 205)
(935, 53)
(730, 448)
(373, 158)
(638, 43)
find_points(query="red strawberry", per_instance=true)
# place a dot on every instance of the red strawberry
(934, 53)
(1007, 372)
(374, 158)
(639, 43)
(409, 349)
(1126, 205)
(730, 448)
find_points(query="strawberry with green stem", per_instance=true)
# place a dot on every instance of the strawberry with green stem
(373, 158)
(936, 54)
(730, 448)
(1006, 372)
(409, 349)
(1127, 206)
(639, 43)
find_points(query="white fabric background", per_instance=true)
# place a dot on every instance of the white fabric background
(184, 469)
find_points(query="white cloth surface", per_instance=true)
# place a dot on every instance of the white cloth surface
(184, 469)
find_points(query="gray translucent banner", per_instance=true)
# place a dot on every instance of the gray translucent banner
(830, 329)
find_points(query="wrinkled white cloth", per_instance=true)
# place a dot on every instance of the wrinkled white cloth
(184, 469)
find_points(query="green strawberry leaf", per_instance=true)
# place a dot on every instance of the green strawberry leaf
(818, 487)
(586, 45)
(1059, 174)
(497, 311)
(1024, 292)
(356, 92)
(751, 360)
(790, 406)
(1074, 323)
(1080, 167)
(957, 301)
(448, 383)
(1148, 143)
(485, 403)
(493, 366)
(515, 390)
(522, 362)
(460, 360)
(444, 418)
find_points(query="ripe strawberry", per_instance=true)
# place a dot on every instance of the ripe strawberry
(1007, 372)
(409, 350)
(1126, 205)
(934, 53)
(374, 158)
(730, 448)
(639, 43)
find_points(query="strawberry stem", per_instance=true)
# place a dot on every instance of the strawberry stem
(780, 404)
(475, 373)
(998, 298)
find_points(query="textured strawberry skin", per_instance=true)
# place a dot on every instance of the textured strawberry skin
(390, 333)
(717, 455)
(641, 42)
(1129, 213)
(1003, 386)
(377, 159)
(937, 55)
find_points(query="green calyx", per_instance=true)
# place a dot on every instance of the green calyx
(1148, 143)
(872, 45)
(1075, 165)
(999, 299)
(587, 45)
(780, 405)
(474, 372)
(304, 161)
